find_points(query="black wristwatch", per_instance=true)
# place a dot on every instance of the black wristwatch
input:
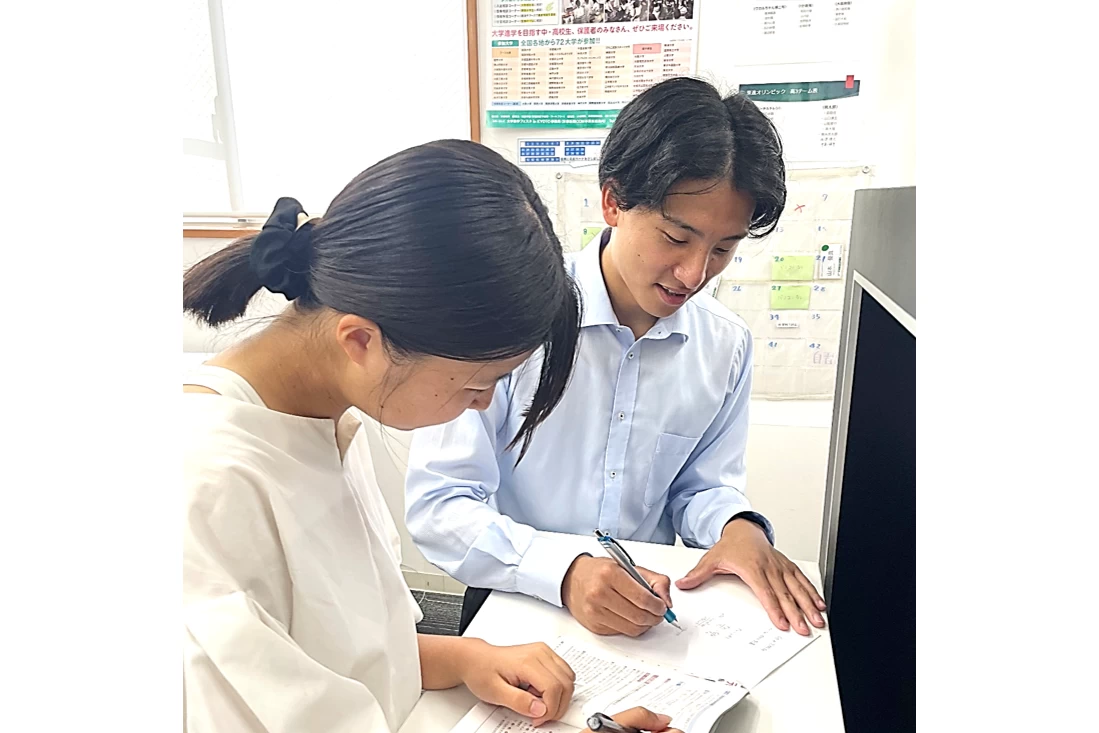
(753, 517)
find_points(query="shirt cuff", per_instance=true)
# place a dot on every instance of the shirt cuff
(757, 518)
(545, 563)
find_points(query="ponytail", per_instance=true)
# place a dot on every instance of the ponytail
(217, 289)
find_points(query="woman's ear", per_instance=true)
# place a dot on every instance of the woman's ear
(360, 338)
(610, 206)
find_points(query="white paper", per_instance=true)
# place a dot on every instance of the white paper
(608, 683)
(822, 354)
(826, 295)
(796, 32)
(727, 635)
(741, 297)
(823, 325)
(775, 352)
(484, 718)
(784, 324)
(830, 265)
(749, 264)
(821, 129)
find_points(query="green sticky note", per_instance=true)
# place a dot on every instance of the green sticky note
(792, 267)
(587, 234)
(789, 297)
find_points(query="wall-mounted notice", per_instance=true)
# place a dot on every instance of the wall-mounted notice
(817, 120)
(559, 151)
(576, 63)
(806, 31)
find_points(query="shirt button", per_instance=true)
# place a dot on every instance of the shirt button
(621, 416)
(629, 355)
(614, 474)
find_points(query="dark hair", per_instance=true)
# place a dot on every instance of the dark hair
(447, 247)
(682, 129)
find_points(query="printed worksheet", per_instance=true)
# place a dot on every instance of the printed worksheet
(609, 683)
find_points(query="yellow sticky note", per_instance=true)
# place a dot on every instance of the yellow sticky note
(793, 267)
(589, 233)
(789, 297)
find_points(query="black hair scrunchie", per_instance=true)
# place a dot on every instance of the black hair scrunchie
(281, 252)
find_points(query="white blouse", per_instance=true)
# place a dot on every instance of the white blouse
(296, 616)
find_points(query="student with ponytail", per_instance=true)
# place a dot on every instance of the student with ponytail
(432, 275)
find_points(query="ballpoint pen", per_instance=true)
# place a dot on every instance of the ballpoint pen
(620, 556)
(601, 722)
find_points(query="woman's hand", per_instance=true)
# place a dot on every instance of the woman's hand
(529, 679)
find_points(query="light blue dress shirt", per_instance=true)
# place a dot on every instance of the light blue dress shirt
(648, 442)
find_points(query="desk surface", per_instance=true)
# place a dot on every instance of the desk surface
(799, 696)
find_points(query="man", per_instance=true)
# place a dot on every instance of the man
(649, 439)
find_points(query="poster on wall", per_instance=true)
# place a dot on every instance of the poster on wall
(818, 121)
(577, 63)
(806, 31)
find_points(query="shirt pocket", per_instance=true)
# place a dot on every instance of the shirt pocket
(668, 459)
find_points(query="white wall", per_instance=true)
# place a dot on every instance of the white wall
(891, 116)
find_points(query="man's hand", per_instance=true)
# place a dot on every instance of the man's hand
(781, 587)
(606, 600)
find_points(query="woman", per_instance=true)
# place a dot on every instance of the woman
(433, 274)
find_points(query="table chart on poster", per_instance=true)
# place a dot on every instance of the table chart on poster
(576, 64)
(600, 74)
(607, 74)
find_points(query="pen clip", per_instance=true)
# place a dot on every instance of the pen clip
(608, 540)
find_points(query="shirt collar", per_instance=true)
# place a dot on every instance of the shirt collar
(597, 302)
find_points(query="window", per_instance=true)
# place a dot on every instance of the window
(297, 98)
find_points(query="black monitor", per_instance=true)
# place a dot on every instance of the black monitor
(868, 541)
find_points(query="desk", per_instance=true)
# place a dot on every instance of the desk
(799, 696)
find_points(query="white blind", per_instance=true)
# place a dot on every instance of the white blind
(313, 92)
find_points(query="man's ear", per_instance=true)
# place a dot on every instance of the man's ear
(609, 205)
